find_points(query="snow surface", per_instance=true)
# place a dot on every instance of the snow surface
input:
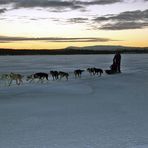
(92, 112)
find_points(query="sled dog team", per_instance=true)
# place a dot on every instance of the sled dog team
(114, 68)
(18, 78)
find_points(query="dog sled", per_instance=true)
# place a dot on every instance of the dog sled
(111, 72)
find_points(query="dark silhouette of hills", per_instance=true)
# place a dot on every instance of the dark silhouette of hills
(75, 50)
(104, 48)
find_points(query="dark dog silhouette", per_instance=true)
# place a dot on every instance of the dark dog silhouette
(40, 76)
(91, 71)
(54, 74)
(95, 71)
(98, 71)
(78, 72)
(63, 74)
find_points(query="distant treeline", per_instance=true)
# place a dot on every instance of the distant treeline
(67, 52)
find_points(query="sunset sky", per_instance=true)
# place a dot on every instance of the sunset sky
(54, 24)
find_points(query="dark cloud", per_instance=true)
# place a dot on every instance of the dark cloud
(125, 20)
(124, 26)
(46, 3)
(4, 2)
(99, 2)
(78, 20)
(60, 4)
(3, 10)
(41, 3)
(52, 39)
(125, 16)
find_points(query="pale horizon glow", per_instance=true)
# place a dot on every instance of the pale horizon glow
(118, 23)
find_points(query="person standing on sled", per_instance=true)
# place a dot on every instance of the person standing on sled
(117, 61)
(113, 67)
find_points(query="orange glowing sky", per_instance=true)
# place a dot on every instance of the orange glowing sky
(48, 24)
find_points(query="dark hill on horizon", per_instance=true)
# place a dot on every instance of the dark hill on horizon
(99, 49)
(105, 47)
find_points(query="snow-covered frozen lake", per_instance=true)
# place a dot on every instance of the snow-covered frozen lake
(92, 112)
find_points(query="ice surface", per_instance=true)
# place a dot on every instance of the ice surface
(92, 112)
(141, 146)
